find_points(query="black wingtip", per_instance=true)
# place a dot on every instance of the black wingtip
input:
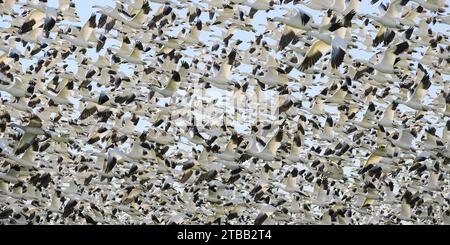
(139, 46)
(279, 136)
(394, 105)
(185, 65)
(371, 107)
(403, 2)
(91, 21)
(329, 121)
(260, 219)
(348, 18)
(199, 25)
(401, 47)
(103, 98)
(334, 26)
(167, 10)
(176, 76)
(146, 7)
(426, 83)
(409, 32)
(419, 9)
(232, 57)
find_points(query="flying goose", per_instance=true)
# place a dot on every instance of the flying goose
(336, 44)
(30, 133)
(391, 18)
(17, 89)
(223, 78)
(388, 116)
(436, 6)
(258, 5)
(83, 40)
(387, 63)
(416, 100)
(269, 152)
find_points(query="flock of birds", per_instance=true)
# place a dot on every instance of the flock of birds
(225, 112)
